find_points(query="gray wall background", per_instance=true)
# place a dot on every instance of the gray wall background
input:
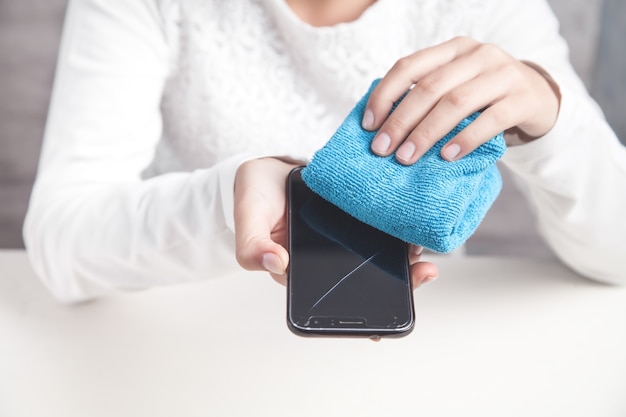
(29, 37)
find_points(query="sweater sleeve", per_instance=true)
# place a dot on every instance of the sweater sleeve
(574, 176)
(93, 225)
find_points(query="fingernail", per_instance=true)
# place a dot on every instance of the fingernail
(451, 151)
(427, 280)
(272, 264)
(417, 250)
(381, 143)
(368, 120)
(406, 151)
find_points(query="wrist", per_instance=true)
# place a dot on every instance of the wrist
(549, 111)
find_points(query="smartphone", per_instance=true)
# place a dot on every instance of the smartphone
(345, 278)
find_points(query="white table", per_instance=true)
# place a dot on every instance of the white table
(494, 337)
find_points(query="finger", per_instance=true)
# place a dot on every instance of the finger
(493, 120)
(415, 253)
(449, 93)
(423, 97)
(406, 72)
(422, 273)
(458, 103)
(280, 278)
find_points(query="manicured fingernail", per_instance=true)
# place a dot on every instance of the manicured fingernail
(451, 151)
(381, 143)
(368, 120)
(417, 250)
(272, 264)
(405, 152)
(427, 280)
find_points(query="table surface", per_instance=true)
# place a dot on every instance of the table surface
(494, 337)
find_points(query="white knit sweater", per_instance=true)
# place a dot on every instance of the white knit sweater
(156, 103)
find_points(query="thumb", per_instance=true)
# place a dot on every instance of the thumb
(256, 228)
(260, 222)
(262, 254)
(259, 253)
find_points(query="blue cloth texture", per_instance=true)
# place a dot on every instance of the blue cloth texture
(432, 203)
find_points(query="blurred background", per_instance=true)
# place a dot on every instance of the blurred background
(29, 37)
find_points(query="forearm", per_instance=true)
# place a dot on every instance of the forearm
(575, 180)
(575, 175)
(92, 223)
(87, 239)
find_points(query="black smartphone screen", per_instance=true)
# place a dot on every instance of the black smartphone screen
(344, 277)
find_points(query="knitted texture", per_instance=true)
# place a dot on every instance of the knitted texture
(433, 203)
(312, 76)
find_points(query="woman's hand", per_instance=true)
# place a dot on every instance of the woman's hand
(451, 81)
(261, 222)
(260, 216)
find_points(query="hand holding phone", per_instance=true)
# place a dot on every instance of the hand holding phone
(344, 277)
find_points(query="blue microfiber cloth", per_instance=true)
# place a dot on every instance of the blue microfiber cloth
(432, 203)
